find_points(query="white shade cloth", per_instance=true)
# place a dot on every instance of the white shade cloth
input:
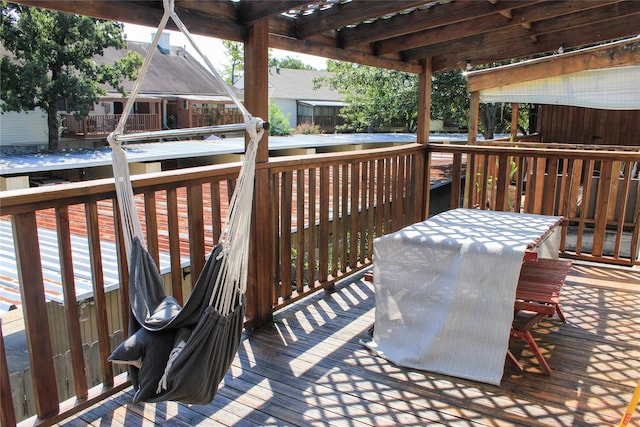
(445, 289)
(608, 88)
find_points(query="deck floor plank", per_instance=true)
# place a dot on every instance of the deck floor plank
(309, 368)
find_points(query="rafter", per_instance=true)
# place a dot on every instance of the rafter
(485, 24)
(475, 48)
(419, 20)
(249, 11)
(341, 15)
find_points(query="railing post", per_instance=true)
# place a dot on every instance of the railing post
(423, 164)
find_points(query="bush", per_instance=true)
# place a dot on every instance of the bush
(278, 122)
(308, 129)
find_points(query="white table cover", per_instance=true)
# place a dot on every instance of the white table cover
(445, 290)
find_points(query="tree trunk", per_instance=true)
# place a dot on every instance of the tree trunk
(488, 119)
(52, 121)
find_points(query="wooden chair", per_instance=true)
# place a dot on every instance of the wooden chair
(538, 294)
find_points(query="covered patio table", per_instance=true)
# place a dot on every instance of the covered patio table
(445, 289)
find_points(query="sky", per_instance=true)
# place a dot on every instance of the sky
(212, 47)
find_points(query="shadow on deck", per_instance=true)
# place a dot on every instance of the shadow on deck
(309, 368)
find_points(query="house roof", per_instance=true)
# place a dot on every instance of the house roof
(399, 34)
(286, 83)
(172, 73)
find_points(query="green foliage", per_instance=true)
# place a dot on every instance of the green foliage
(308, 129)
(278, 122)
(449, 97)
(235, 52)
(51, 60)
(379, 98)
(288, 62)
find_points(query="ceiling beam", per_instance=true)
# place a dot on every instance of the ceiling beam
(318, 49)
(149, 14)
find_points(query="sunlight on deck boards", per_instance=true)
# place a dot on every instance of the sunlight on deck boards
(309, 368)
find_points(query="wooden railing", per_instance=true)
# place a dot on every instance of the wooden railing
(182, 214)
(104, 124)
(596, 189)
(326, 210)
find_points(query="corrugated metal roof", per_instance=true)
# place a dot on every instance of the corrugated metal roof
(10, 285)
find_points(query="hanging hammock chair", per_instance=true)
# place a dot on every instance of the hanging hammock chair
(175, 352)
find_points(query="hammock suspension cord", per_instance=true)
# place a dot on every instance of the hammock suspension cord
(232, 280)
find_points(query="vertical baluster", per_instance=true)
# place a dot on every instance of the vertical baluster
(173, 226)
(285, 230)
(602, 207)
(371, 208)
(151, 226)
(27, 247)
(274, 191)
(335, 220)
(196, 230)
(362, 211)
(300, 229)
(95, 255)
(623, 203)
(323, 238)
(380, 195)
(344, 219)
(216, 211)
(123, 267)
(353, 220)
(456, 181)
(70, 302)
(7, 412)
(313, 242)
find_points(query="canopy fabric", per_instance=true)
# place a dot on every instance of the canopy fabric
(608, 88)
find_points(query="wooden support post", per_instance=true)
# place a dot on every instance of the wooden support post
(514, 120)
(261, 277)
(424, 115)
(474, 113)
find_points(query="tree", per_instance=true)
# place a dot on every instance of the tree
(51, 61)
(449, 97)
(235, 53)
(381, 98)
(278, 122)
(289, 63)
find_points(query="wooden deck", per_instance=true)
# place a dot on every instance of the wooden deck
(309, 368)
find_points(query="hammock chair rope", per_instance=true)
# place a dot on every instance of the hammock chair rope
(232, 279)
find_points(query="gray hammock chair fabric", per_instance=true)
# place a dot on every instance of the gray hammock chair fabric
(175, 352)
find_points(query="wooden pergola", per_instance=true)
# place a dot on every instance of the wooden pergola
(420, 37)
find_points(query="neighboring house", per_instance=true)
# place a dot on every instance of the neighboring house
(20, 129)
(293, 92)
(177, 92)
